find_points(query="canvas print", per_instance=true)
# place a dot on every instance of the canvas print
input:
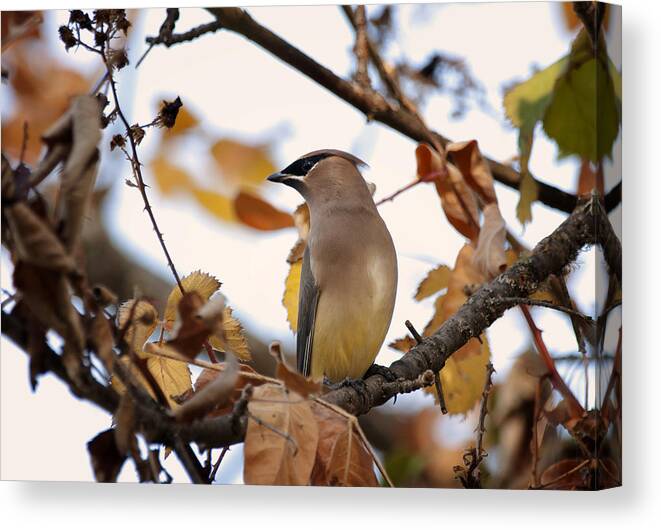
(332, 245)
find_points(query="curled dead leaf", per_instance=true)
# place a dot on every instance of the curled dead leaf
(489, 257)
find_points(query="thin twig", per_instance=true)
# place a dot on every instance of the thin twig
(216, 466)
(549, 305)
(137, 172)
(575, 408)
(437, 375)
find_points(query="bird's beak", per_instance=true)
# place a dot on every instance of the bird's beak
(277, 177)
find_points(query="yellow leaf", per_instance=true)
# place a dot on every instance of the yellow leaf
(463, 378)
(218, 205)
(527, 195)
(144, 318)
(234, 337)
(290, 297)
(245, 164)
(169, 177)
(201, 282)
(172, 376)
(281, 438)
(436, 280)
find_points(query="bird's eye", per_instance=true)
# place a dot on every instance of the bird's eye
(302, 166)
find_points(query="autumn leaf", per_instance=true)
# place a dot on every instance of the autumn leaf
(290, 297)
(190, 330)
(436, 280)
(244, 164)
(173, 377)
(457, 199)
(107, 460)
(463, 376)
(220, 206)
(169, 177)
(281, 438)
(143, 318)
(342, 459)
(528, 191)
(232, 337)
(292, 379)
(475, 170)
(201, 282)
(38, 100)
(490, 258)
(464, 371)
(259, 214)
(35, 242)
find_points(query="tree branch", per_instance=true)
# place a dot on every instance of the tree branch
(368, 101)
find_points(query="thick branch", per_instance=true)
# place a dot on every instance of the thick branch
(585, 226)
(550, 256)
(369, 102)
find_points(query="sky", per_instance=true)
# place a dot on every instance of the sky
(243, 93)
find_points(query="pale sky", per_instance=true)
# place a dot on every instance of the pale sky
(242, 92)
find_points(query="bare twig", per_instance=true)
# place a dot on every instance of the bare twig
(469, 473)
(549, 305)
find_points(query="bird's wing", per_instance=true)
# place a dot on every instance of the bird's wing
(308, 298)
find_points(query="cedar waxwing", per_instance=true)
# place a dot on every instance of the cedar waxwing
(349, 273)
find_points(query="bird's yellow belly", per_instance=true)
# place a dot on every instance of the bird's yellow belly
(349, 333)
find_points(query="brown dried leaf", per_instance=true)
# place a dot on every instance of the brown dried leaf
(190, 330)
(124, 424)
(554, 475)
(80, 169)
(107, 460)
(101, 339)
(34, 241)
(47, 294)
(490, 258)
(208, 375)
(457, 199)
(173, 377)
(341, 459)
(467, 157)
(259, 214)
(436, 280)
(293, 380)
(216, 393)
(281, 438)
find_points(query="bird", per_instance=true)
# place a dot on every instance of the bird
(349, 273)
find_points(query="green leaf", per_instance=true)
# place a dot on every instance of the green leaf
(583, 116)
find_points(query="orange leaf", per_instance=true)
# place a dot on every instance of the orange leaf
(476, 172)
(245, 164)
(169, 177)
(457, 199)
(259, 214)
